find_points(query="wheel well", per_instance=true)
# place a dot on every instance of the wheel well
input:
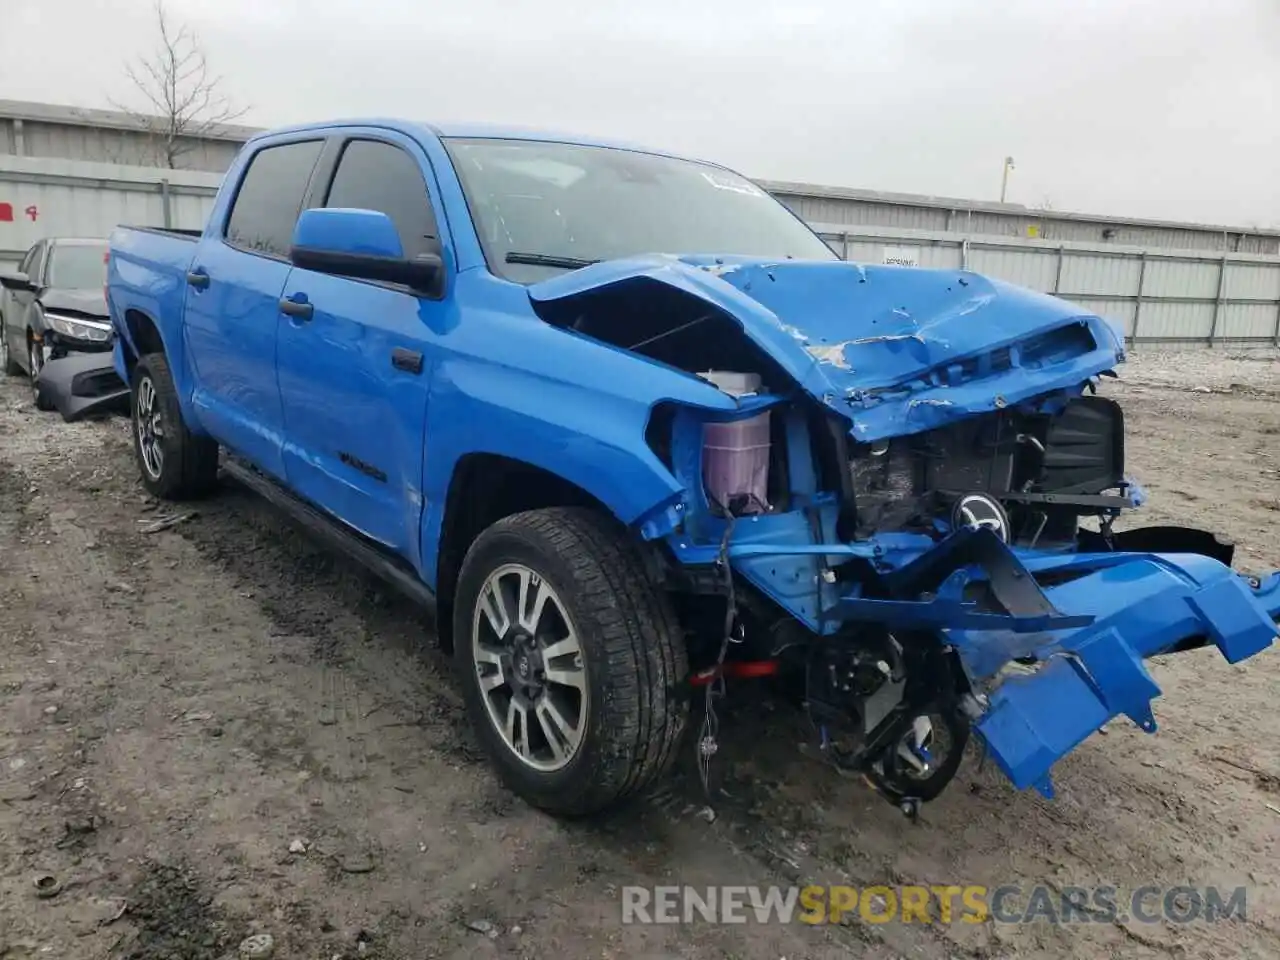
(145, 334)
(484, 489)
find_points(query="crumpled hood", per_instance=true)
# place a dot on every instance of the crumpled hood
(896, 350)
(89, 302)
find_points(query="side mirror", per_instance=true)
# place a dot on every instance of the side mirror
(363, 244)
(17, 281)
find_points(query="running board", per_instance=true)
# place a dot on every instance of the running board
(335, 534)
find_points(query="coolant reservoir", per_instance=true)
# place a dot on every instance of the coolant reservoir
(735, 456)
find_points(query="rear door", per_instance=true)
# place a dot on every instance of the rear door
(233, 302)
(14, 305)
(354, 375)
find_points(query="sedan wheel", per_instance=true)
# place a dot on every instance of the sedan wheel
(36, 358)
(8, 363)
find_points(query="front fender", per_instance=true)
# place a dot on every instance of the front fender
(588, 437)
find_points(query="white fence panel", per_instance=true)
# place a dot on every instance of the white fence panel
(1159, 295)
(42, 197)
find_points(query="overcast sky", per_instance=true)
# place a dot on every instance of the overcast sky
(1154, 108)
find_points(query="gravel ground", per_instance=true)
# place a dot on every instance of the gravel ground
(219, 729)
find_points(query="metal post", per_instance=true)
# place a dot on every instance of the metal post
(964, 254)
(1057, 276)
(19, 139)
(164, 202)
(844, 246)
(1276, 338)
(1137, 304)
(1217, 300)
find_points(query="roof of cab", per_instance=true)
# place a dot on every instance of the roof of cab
(470, 131)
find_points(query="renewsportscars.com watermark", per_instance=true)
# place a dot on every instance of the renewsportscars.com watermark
(971, 904)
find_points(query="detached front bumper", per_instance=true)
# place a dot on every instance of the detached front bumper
(1142, 605)
(81, 384)
(1059, 648)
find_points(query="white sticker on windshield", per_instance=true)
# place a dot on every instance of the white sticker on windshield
(735, 184)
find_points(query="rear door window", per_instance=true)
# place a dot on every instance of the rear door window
(373, 175)
(267, 204)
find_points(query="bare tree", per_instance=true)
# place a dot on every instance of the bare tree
(186, 99)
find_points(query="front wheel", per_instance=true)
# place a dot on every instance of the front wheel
(571, 660)
(175, 463)
(35, 358)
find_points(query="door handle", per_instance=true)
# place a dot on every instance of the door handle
(198, 279)
(297, 310)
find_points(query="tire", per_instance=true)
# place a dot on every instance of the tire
(187, 466)
(35, 358)
(631, 660)
(11, 367)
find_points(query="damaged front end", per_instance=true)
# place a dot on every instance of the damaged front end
(910, 508)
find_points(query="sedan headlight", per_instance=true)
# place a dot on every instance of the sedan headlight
(78, 329)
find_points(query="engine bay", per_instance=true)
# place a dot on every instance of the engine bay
(1029, 477)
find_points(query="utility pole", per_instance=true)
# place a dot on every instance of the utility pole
(1004, 177)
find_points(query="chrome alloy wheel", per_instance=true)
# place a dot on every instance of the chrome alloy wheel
(150, 428)
(528, 662)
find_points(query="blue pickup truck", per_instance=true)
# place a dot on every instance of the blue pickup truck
(633, 431)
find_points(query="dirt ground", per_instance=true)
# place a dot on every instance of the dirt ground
(219, 729)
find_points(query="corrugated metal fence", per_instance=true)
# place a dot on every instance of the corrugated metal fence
(1159, 294)
(41, 197)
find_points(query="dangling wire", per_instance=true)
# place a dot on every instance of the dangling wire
(707, 739)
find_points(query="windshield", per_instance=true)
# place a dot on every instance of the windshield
(77, 266)
(542, 208)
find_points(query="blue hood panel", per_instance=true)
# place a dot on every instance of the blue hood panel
(896, 350)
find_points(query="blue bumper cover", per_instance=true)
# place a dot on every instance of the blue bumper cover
(1142, 605)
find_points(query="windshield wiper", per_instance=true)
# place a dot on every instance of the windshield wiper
(548, 260)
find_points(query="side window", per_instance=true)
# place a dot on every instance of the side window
(378, 176)
(266, 206)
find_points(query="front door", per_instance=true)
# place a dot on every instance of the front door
(234, 285)
(354, 373)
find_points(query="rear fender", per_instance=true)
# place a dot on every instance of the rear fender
(146, 285)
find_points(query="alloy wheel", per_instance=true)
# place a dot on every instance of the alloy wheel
(150, 428)
(35, 359)
(528, 663)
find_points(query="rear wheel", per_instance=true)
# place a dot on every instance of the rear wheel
(8, 364)
(175, 464)
(571, 660)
